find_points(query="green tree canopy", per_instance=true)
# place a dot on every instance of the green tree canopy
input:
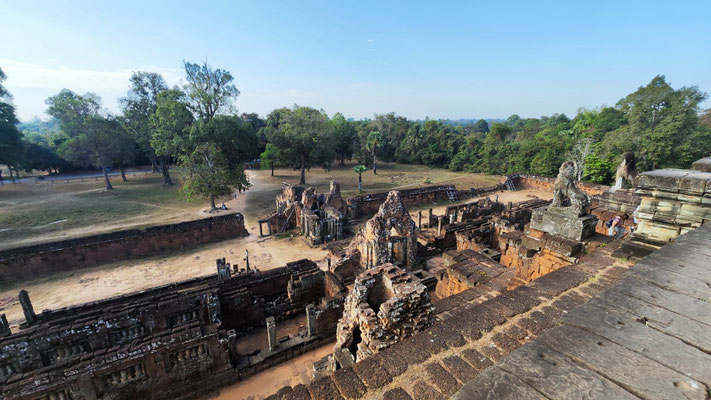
(209, 90)
(303, 135)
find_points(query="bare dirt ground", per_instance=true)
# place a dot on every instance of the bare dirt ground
(266, 383)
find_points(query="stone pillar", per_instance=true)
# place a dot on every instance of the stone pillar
(419, 219)
(26, 304)
(4, 326)
(390, 251)
(311, 320)
(429, 218)
(261, 234)
(246, 259)
(439, 224)
(271, 333)
(328, 260)
(453, 217)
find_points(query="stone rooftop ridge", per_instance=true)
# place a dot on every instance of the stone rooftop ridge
(473, 330)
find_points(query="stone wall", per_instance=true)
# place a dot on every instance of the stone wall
(546, 184)
(367, 205)
(40, 260)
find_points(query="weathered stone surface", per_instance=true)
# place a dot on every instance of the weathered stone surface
(557, 223)
(299, 392)
(636, 336)
(371, 373)
(556, 377)
(703, 165)
(323, 389)
(494, 383)
(462, 371)
(638, 374)
(423, 391)
(442, 379)
(396, 394)
(348, 383)
(476, 359)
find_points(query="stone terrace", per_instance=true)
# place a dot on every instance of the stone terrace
(474, 329)
(648, 336)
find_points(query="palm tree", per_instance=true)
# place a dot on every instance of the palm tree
(359, 169)
(374, 139)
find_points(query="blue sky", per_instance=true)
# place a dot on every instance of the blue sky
(437, 59)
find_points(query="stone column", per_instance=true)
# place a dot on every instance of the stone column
(260, 230)
(390, 251)
(452, 218)
(439, 224)
(328, 260)
(429, 218)
(246, 259)
(4, 326)
(271, 333)
(419, 219)
(311, 320)
(26, 304)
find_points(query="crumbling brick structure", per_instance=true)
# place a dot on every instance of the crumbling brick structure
(170, 342)
(388, 237)
(385, 306)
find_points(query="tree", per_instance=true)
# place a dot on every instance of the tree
(374, 139)
(209, 90)
(344, 137)
(170, 125)
(232, 135)
(359, 169)
(100, 144)
(303, 136)
(93, 139)
(206, 173)
(11, 146)
(579, 154)
(480, 126)
(138, 106)
(268, 157)
(662, 124)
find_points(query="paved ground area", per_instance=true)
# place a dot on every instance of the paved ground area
(648, 336)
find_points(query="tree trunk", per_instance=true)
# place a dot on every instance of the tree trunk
(360, 182)
(272, 164)
(212, 203)
(166, 173)
(343, 160)
(123, 172)
(302, 179)
(154, 164)
(375, 168)
(12, 177)
(106, 178)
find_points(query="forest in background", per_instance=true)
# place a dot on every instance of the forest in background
(195, 126)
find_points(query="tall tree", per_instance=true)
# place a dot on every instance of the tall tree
(661, 123)
(303, 136)
(207, 173)
(374, 140)
(101, 143)
(170, 125)
(209, 90)
(11, 146)
(344, 133)
(138, 105)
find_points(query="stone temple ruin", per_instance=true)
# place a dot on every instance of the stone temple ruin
(487, 300)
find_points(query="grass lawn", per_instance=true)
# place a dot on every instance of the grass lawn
(33, 213)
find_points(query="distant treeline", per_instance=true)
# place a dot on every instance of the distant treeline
(195, 126)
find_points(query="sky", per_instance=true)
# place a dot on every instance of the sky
(436, 59)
